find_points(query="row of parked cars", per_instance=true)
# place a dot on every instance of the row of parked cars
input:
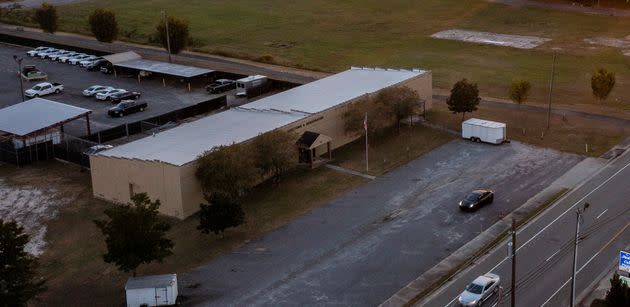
(89, 61)
(125, 100)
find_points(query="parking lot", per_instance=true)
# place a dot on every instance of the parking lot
(362, 247)
(161, 99)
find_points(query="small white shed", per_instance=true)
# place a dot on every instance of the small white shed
(244, 84)
(481, 130)
(156, 290)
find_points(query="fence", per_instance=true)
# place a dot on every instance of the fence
(68, 148)
(157, 121)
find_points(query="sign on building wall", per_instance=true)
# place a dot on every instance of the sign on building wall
(624, 261)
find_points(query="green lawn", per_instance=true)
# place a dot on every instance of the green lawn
(332, 35)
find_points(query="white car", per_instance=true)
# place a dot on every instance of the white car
(48, 54)
(37, 50)
(44, 53)
(44, 88)
(107, 95)
(75, 60)
(65, 58)
(95, 89)
(480, 290)
(89, 60)
(55, 56)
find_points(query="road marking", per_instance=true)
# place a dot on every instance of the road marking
(589, 261)
(555, 220)
(553, 255)
(600, 215)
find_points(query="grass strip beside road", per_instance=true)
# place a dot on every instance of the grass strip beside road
(487, 247)
(72, 262)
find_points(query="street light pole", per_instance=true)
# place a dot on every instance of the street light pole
(168, 38)
(579, 213)
(19, 62)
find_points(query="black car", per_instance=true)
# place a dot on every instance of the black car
(107, 68)
(118, 97)
(127, 107)
(220, 86)
(96, 65)
(476, 199)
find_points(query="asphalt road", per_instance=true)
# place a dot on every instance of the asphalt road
(545, 250)
(75, 79)
(365, 245)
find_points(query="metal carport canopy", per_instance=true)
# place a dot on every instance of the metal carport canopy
(132, 60)
(37, 114)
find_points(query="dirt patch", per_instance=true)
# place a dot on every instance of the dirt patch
(31, 207)
(620, 43)
(515, 41)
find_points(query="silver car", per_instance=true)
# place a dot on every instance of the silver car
(37, 50)
(480, 290)
(107, 95)
(95, 89)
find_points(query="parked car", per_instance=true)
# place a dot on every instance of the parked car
(77, 59)
(106, 95)
(96, 65)
(480, 290)
(47, 55)
(476, 199)
(107, 68)
(89, 60)
(220, 86)
(118, 97)
(67, 57)
(43, 89)
(95, 89)
(127, 107)
(31, 73)
(44, 53)
(55, 56)
(37, 50)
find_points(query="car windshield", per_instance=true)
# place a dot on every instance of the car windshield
(37, 88)
(474, 288)
(472, 196)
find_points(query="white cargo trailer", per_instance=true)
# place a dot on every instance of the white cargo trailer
(244, 84)
(480, 130)
(156, 290)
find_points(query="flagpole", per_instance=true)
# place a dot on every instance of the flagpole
(367, 168)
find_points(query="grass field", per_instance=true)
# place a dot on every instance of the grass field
(332, 35)
(72, 262)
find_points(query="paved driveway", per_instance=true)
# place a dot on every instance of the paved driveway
(367, 244)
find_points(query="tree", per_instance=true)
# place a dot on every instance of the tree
(618, 294)
(178, 33)
(47, 18)
(227, 170)
(17, 267)
(222, 213)
(275, 153)
(135, 234)
(519, 91)
(464, 98)
(103, 25)
(602, 83)
(354, 116)
(399, 102)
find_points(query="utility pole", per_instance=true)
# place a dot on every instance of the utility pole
(168, 38)
(553, 74)
(367, 168)
(19, 62)
(578, 212)
(513, 292)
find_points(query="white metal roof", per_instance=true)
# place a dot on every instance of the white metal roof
(183, 144)
(150, 282)
(35, 114)
(133, 60)
(484, 123)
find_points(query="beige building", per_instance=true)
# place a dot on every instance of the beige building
(163, 165)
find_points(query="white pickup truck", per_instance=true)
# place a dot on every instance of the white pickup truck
(43, 89)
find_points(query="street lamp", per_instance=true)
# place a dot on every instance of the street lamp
(579, 212)
(19, 62)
